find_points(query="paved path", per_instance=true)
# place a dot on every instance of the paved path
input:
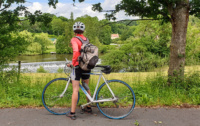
(144, 116)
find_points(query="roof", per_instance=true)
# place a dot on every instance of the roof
(113, 36)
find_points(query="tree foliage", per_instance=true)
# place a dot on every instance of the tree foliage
(58, 26)
(156, 9)
(63, 45)
(193, 44)
(35, 43)
(104, 33)
(175, 11)
(143, 50)
(43, 40)
(11, 46)
(93, 31)
(151, 40)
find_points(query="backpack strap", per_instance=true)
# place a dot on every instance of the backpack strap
(83, 41)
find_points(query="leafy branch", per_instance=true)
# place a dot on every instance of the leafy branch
(131, 21)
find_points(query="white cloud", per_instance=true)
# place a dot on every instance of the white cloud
(35, 6)
(110, 4)
(80, 9)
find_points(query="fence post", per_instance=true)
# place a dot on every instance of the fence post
(19, 67)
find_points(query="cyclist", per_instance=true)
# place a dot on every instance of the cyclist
(76, 74)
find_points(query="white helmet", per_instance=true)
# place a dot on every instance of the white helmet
(78, 27)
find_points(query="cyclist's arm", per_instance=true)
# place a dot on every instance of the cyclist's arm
(76, 52)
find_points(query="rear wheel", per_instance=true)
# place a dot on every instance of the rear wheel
(124, 104)
(51, 96)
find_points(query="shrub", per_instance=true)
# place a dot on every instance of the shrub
(41, 70)
(60, 70)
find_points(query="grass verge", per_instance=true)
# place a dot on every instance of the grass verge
(150, 89)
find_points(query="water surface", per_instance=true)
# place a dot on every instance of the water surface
(44, 58)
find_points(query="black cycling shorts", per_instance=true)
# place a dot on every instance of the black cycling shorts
(77, 74)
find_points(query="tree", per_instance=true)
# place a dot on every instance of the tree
(104, 33)
(144, 51)
(63, 45)
(58, 26)
(11, 46)
(175, 11)
(193, 44)
(91, 24)
(43, 40)
(93, 29)
(38, 27)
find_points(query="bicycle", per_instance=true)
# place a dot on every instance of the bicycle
(114, 98)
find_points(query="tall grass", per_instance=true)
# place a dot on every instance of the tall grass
(150, 88)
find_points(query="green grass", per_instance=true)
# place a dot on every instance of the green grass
(50, 48)
(150, 89)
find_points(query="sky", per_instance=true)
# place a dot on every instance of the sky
(67, 1)
(65, 7)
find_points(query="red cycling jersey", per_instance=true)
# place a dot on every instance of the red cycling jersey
(76, 46)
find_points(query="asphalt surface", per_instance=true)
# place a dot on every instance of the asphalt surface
(139, 117)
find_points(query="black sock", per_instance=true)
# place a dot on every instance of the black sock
(72, 113)
(88, 107)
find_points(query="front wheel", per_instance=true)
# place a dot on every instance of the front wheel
(119, 108)
(52, 99)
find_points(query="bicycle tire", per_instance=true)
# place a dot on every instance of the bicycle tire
(120, 108)
(51, 100)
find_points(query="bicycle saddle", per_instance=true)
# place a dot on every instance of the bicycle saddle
(106, 70)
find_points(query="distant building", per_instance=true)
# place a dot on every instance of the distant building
(114, 36)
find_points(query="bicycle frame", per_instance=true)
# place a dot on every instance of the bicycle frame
(92, 99)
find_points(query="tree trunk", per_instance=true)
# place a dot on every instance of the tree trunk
(179, 21)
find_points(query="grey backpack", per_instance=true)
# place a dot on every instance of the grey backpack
(89, 55)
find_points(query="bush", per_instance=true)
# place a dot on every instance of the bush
(41, 70)
(63, 45)
(60, 70)
(103, 49)
(192, 81)
(155, 91)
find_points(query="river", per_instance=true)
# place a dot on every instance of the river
(44, 58)
(50, 62)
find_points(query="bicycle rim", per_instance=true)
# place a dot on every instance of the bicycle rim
(120, 108)
(51, 96)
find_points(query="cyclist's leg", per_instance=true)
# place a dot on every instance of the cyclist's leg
(75, 76)
(75, 84)
(88, 108)
(85, 79)
(87, 82)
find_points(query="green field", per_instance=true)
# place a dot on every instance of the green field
(150, 88)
